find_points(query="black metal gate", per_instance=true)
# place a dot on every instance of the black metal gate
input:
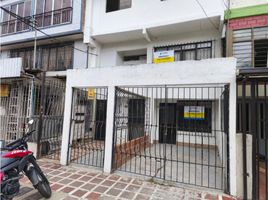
(253, 121)
(173, 133)
(22, 102)
(88, 126)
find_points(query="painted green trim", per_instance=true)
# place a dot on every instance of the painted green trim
(246, 11)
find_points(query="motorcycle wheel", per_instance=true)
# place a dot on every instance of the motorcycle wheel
(44, 189)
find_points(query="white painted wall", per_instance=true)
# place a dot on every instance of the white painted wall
(10, 67)
(239, 151)
(109, 52)
(214, 71)
(61, 29)
(245, 3)
(150, 13)
(80, 58)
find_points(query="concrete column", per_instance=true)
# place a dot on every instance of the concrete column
(109, 130)
(232, 137)
(66, 125)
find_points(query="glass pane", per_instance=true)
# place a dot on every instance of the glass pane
(66, 3)
(5, 14)
(45, 59)
(125, 4)
(20, 13)
(28, 8)
(5, 18)
(57, 4)
(48, 5)
(52, 59)
(68, 60)
(203, 54)
(189, 55)
(39, 6)
(12, 21)
(60, 59)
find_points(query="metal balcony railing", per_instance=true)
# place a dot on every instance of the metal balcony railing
(54, 17)
(45, 19)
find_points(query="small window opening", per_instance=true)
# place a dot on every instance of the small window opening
(114, 5)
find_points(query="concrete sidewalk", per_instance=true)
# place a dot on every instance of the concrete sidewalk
(71, 183)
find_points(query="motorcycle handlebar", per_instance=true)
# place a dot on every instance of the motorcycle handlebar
(11, 146)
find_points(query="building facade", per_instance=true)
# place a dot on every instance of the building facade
(151, 102)
(246, 36)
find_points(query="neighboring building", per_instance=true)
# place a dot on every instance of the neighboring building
(59, 47)
(247, 40)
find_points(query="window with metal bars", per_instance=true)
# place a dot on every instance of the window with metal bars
(190, 51)
(50, 58)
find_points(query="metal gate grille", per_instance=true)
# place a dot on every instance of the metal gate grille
(88, 126)
(253, 120)
(177, 134)
(23, 102)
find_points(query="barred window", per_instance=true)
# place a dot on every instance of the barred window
(191, 51)
(51, 58)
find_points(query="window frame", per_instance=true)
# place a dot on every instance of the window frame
(182, 49)
(16, 22)
(47, 65)
(117, 7)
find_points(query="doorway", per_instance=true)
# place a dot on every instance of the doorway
(167, 123)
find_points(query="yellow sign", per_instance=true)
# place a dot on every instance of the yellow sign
(4, 91)
(91, 93)
(194, 112)
(164, 56)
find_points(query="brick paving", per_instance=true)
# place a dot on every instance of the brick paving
(72, 183)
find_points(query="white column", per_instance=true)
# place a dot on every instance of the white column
(66, 125)
(232, 137)
(109, 130)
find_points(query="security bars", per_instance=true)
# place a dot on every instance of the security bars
(173, 133)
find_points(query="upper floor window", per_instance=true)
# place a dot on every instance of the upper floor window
(54, 57)
(52, 12)
(191, 51)
(9, 23)
(261, 53)
(47, 13)
(114, 5)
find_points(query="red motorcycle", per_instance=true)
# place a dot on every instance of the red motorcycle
(16, 161)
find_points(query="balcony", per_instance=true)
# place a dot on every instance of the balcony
(54, 17)
(46, 19)
(10, 67)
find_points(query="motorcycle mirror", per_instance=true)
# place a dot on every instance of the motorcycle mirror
(31, 121)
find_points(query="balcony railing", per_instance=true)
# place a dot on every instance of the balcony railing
(46, 19)
(13, 26)
(54, 17)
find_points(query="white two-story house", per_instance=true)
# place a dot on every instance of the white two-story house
(152, 99)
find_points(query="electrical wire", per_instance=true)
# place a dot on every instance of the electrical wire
(204, 11)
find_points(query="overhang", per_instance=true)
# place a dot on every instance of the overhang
(169, 29)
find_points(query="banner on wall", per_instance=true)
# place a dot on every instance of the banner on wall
(194, 112)
(91, 93)
(4, 90)
(164, 56)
